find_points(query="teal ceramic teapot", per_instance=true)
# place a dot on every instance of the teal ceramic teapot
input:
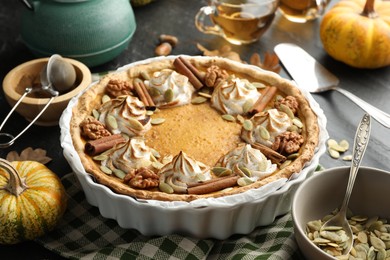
(91, 31)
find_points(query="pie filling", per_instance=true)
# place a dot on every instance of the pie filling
(183, 129)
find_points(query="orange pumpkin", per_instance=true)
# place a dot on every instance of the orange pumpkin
(32, 200)
(357, 32)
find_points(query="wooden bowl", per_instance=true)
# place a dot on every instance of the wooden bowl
(28, 75)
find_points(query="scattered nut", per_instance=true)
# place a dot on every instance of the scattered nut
(172, 40)
(163, 49)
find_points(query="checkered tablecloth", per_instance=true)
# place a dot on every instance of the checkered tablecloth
(84, 234)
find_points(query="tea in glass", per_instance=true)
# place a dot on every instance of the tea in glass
(301, 11)
(238, 21)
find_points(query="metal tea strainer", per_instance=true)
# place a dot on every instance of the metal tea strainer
(56, 72)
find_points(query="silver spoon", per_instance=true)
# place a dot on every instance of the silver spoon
(309, 74)
(360, 144)
(56, 73)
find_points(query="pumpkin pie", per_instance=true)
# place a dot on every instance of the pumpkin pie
(184, 128)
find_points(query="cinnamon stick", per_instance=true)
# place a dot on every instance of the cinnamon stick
(182, 68)
(274, 156)
(263, 100)
(193, 69)
(213, 185)
(143, 93)
(103, 144)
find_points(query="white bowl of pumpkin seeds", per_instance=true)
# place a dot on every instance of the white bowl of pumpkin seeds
(320, 196)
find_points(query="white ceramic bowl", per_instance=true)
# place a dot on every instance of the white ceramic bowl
(208, 218)
(324, 191)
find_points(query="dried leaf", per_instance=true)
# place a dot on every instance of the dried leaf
(29, 154)
(270, 62)
(225, 52)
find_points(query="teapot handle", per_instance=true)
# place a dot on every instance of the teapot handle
(28, 4)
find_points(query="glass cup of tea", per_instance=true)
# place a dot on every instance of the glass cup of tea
(301, 11)
(238, 21)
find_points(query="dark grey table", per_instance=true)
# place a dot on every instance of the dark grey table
(176, 17)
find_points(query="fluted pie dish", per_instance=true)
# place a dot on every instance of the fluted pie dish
(167, 140)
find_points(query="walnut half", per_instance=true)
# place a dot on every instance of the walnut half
(93, 129)
(142, 178)
(116, 88)
(288, 143)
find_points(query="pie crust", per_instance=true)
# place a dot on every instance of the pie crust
(92, 98)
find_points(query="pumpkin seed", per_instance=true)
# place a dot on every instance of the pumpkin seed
(200, 177)
(198, 100)
(247, 125)
(247, 106)
(287, 110)
(95, 113)
(377, 242)
(135, 124)
(240, 118)
(111, 122)
(337, 147)
(157, 121)
(105, 169)
(368, 244)
(164, 187)
(293, 128)
(293, 156)
(320, 240)
(145, 75)
(221, 171)
(244, 181)
(333, 228)
(203, 94)
(105, 98)
(149, 112)
(278, 98)
(259, 85)
(217, 170)
(155, 153)
(250, 86)
(119, 173)
(168, 95)
(264, 133)
(362, 237)
(100, 157)
(359, 218)
(228, 118)
(347, 157)
(385, 237)
(344, 144)
(333, 153)
(296, 121)
(157, 165)
(154, 92)
(245, 171)
(285, 164)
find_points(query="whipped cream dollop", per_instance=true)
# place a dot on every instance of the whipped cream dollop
(244, 156)
(132, 154)
(183, 170)
(266, 126)
(169, 88)
(230, 96)
(125, 114)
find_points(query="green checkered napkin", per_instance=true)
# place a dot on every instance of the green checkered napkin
(84, 234)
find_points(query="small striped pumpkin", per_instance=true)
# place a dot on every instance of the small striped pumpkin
(357, 32)
(32, 200)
